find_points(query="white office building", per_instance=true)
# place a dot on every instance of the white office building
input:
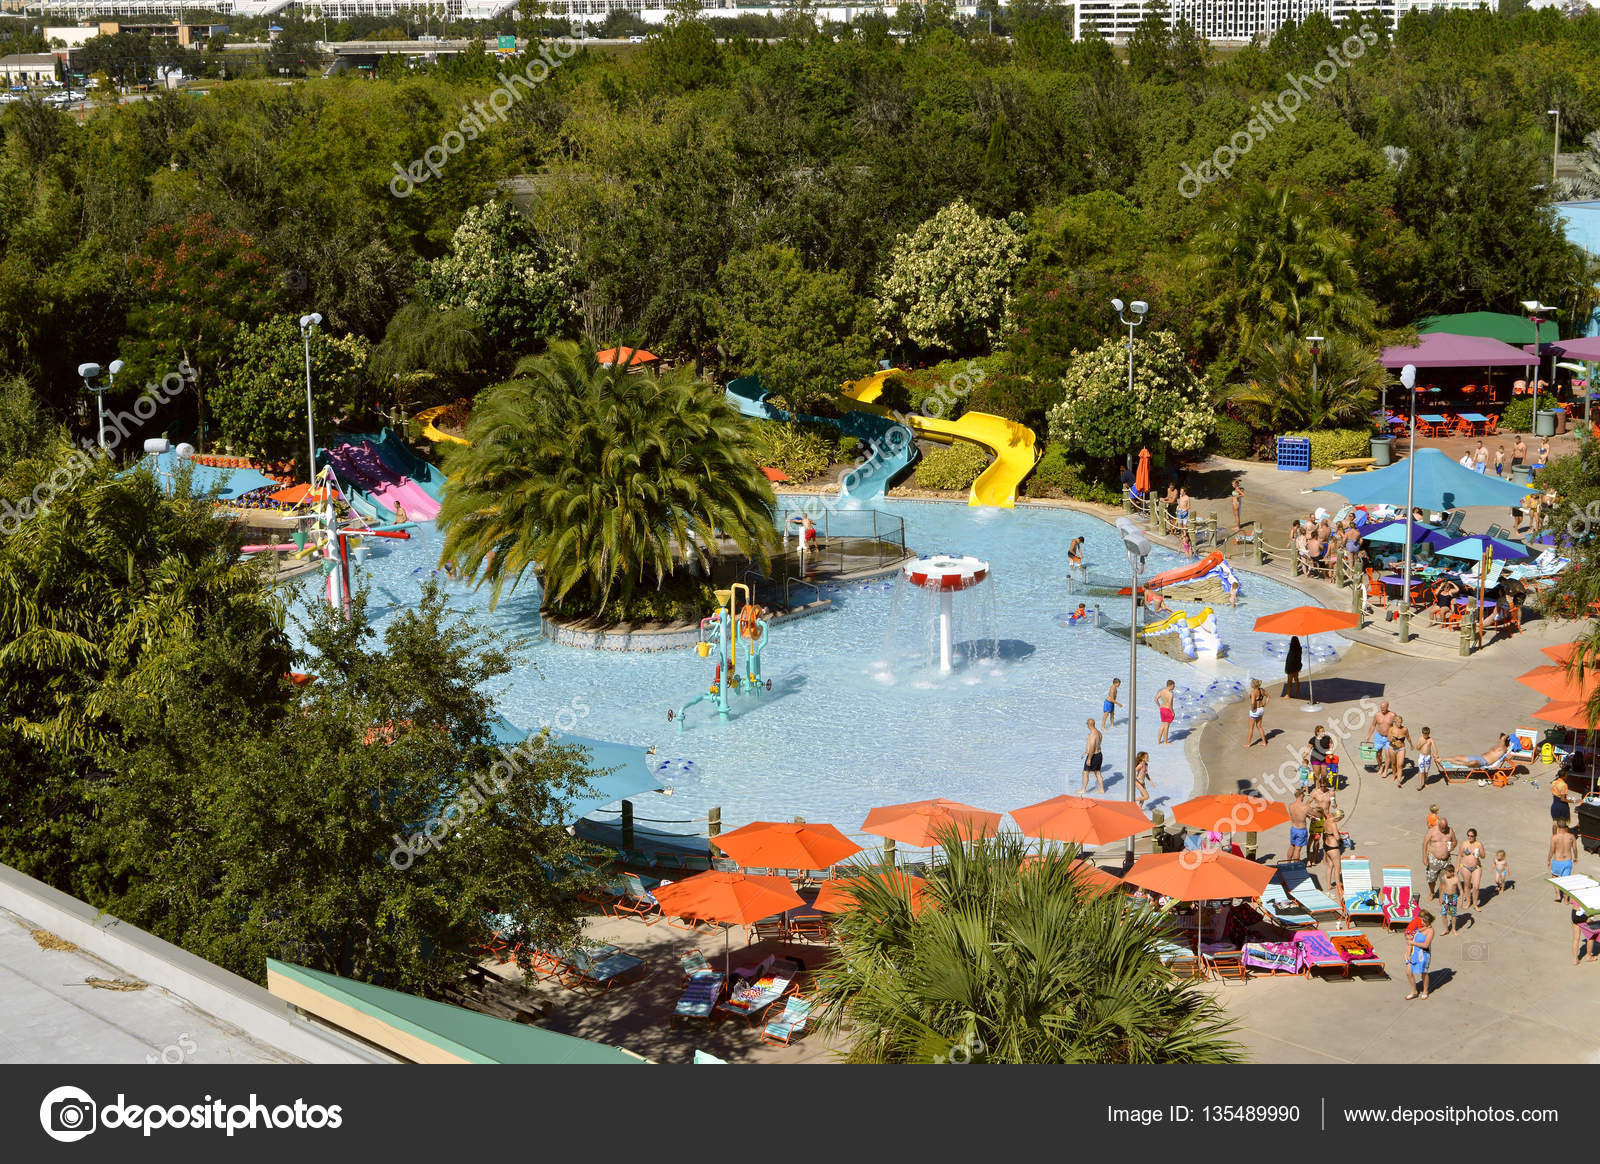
(1243, 20)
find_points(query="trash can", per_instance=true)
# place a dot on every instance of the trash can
(1544, 424)
(1589, 826)
(1521, 475)
(1381, 446)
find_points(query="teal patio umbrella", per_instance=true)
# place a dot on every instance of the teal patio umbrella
(1483, 549)
(1441, 483)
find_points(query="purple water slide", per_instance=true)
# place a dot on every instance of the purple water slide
(368, 471)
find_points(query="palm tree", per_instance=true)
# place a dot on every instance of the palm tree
(602, 481)
(1010, 962)
(1279, 395)
(1274, 260)
(1586, 182)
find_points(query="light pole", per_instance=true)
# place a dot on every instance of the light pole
(1538, 313)
(308, 324)
(1408, 377)
(1138, 547)
(1138, 307)
(89, 373)
(1555, 153)
(1316, 350)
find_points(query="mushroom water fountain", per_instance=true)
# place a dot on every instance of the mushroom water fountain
(944, 576)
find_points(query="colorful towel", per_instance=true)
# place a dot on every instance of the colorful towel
(1317, 949)
(1273, 957)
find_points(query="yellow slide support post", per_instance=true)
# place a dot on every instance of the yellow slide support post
(432, 432)
(1011, 444)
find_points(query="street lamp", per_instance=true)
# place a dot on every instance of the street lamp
(1538, 312)
(1138, 547)
(1408, 378)
(1138, 307)
(1316, 350)
(1555, 153)
(308, 324)
(89, 373)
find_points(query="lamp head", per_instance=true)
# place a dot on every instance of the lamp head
(1116, 305)
(1530, 305)
(309, 322)
(1408, 376)
(1553, 112)
(88, 371)
(116, 366)
(1316, 339)
(1134, 539)
(1139, 306)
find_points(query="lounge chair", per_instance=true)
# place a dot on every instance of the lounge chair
(1297, 880)
(637, 900)
(699, 998)
(701, 1057)
(1273, 957)
(1360, 898)
(595, 970)
(1180, 959)
(811, 928)
(694, 962)
(1318, 953)
(1355, 949)
(1452, 525)
(1399, 907)
(773, 928)
(750, 999)
(1226, 963)
(790, 1023)
(1280, 909)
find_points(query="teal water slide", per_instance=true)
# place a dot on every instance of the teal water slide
(890, 445)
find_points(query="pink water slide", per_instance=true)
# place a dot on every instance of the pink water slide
(366, 470)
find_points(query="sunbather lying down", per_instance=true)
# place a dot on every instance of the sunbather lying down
(1491, 757)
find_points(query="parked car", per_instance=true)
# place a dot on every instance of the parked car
(636, 39)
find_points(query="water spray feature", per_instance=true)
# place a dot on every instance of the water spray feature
(947, 575)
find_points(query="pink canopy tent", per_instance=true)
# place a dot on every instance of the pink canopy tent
(1443, 350)
(1579, 349)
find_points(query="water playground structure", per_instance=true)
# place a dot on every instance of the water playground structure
(945, 575)
(1185, 636)
(1210, 579)
(719, 638)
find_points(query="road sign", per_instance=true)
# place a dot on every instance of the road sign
(507, 44)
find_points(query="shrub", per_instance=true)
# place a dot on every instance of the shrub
(1336, 444)
(1058, 474)
(1233, 439)
(1518, 416)
(802, 451)
(681, 598)
(955, 467)
(849, 446)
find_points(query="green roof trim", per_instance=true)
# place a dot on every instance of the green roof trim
(1508, 329)
(477, 1038)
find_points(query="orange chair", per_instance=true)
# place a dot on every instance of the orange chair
(1376, 594)
(1493, 424)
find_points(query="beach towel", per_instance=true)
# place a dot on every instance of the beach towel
(1316, 949)
(1273, 957)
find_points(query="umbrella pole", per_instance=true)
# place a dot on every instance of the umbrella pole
(1311, 685)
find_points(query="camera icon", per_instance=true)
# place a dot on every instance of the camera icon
(1475, 952)
(67, 1114)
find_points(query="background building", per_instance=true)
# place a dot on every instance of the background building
(1241, 20)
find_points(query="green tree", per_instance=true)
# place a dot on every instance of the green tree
(949, 281)
(1278, 396)
(260, 401)
(1012, 959)
(24, 427)
(803, 332)
(519, 287)
(428, 356)
(1168, 407)
(295, 828)
(602, 481)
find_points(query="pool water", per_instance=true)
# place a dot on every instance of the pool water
(857, 716)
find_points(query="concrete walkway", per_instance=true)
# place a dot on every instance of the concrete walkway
(1504, 989)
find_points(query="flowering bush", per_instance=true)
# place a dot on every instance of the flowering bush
(949, 281)
(522, 289)
(1168, 407)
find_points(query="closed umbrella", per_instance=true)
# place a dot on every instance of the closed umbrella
(1307, 621)
(1141, 475)
(729, 898)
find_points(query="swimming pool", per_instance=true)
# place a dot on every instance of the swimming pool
(854, 718)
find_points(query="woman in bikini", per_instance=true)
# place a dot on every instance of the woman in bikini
(1395, 754)
(1333, 854)
(1258, 709)
(1141, 774)
(1472, 855)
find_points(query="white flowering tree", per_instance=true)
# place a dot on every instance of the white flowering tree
(1168, 408)
(521, 288)
(949, 281)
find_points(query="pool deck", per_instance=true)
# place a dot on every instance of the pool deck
(1504, 988)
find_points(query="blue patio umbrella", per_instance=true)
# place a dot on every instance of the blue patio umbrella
(622, 769)
(1441, 483)
(1478, 547)
(1393, 533)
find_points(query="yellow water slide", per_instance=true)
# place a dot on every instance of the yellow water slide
(1011, 444)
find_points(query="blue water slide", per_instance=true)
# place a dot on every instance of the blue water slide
(402, 460)
(890, 445)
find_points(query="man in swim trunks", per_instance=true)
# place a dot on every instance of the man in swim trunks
(1563, 851)
(1299, 834)
(1488, 759)
(1381, 723)
(1075, 558)
(1092, 758)
(1164, 699)
(1427, 755)
(1437, 849)
(1109, 705)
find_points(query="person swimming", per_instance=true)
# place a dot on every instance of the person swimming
(1078, 615)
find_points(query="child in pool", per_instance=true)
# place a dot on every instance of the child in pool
(1078, 615)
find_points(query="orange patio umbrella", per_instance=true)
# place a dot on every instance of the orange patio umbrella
(1557, 683)
(1569, 714)
(1561, 655)
(635, 357)
(918, 822)
(1082, 820)
(787, 845)
(1307, 621)
(838, 895)
(297, 494)
(730, 898)
(774, 475)
(1231, 813)
(1196, 876)
(1141, 475)
(1094, 878)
